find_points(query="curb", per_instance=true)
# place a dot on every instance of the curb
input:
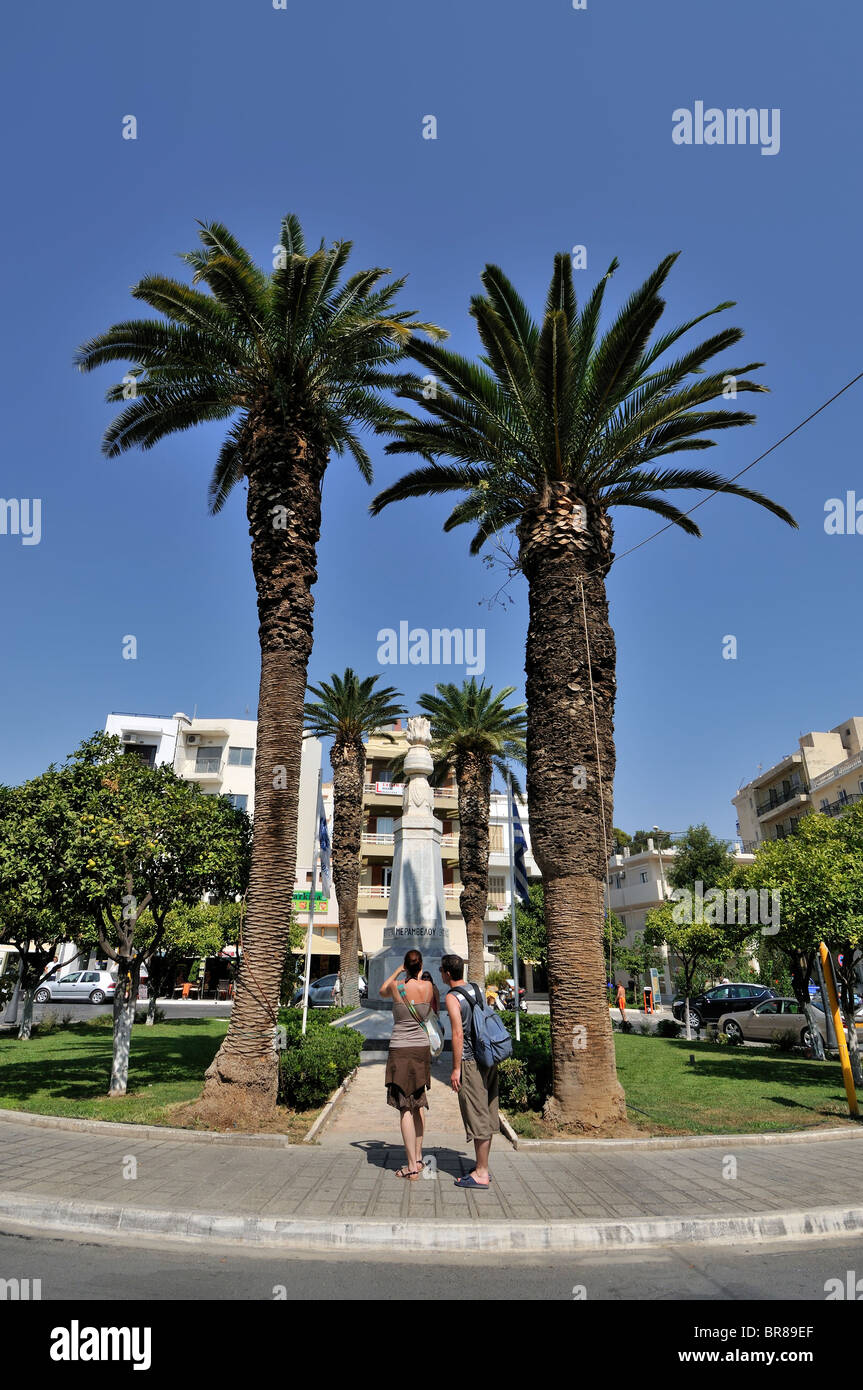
(520, 1237)
(119, 1129)
(683, 1141)
(326, 1114)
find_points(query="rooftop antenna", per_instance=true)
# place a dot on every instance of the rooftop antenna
(195, 712)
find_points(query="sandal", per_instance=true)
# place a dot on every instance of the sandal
(410, 1173)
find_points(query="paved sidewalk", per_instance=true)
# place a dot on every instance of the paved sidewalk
(344, 1190)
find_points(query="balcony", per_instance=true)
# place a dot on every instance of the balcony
(378, 894)
(388, 790)
(778, 798)
(376, 846)
(835, 808)
(205, 770)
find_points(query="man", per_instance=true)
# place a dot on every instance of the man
(475, 1086)
(621, 1002)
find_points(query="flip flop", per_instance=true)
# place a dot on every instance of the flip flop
(470, 1181)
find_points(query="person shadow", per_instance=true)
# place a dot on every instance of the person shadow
(437, 1160)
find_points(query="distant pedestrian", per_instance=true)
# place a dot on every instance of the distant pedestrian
(621, 1002)
(337, 990)
(476, 1086)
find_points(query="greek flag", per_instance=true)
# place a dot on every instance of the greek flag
(519, 844)
(324, 842)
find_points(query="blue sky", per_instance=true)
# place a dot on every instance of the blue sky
(554, 129)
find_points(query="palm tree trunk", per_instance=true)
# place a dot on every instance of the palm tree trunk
(558, 550)
(348, 761)
(284, 471)
(473, 776)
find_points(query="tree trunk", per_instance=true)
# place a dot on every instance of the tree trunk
(563, 783)
(847, 990)
(348, 761)
(687, 1031)
(125, 999)
(473, 777)
(25, 1030)
(284, 471)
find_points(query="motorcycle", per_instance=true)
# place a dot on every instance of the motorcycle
(507, 996)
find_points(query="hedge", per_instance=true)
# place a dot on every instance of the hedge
(311, 1067)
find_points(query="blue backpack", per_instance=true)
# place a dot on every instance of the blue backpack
(490, 1037)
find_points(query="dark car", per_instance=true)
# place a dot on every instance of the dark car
(710, 1005)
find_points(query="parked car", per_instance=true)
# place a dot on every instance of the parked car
(79, 987)
(775, 1016)
(711, 1004)
(321, 991)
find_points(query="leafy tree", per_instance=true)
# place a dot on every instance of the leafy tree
(552, 430)
(818, 874)
(298, 361)
(146, 842)
(41, 899)
(700, 858)
(621, 840)
(697, 945)
(347, 711)
(638, 960)
(531, 930)
(661, 840)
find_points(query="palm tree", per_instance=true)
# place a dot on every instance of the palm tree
(557, 427)
(474, 732)
(347, 710)
(297, 361)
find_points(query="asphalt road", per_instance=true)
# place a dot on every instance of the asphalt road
(172, 1009)
(109, 1270)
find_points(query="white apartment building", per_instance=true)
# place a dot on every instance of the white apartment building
(639, 882)
(824, 773)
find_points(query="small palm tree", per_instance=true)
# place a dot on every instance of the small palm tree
(473, 732)
(347, 710)
(297, 361)
(557, 427)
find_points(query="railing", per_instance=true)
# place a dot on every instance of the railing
(382, 890)
(778, 799)
(837, 807)
(383, 788)
(372, 838)
(449, 840)
(838, 771)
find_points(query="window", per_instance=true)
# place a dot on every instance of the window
(790, 1006)
(619, 880)
(387, 875)
(208, 759)
(385, 825)
(240, 757)
(723, 993)
(145, 751)
(772, 1007)
(495, 839)
(239, 802)
(643, 876)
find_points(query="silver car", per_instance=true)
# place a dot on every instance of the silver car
(79, 987)
(769, 1018)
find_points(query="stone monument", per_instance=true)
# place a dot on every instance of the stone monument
(416, 916)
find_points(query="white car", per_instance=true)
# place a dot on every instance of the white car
(80, 987)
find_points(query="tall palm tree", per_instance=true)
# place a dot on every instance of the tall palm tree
(557, 427)
(297, 361)
(348, 710)
(473, 732)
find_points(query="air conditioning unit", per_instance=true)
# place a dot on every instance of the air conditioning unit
(193, 738)
(130, 738)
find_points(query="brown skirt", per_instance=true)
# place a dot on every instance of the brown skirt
(408, 1077)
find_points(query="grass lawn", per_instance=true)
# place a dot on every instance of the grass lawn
(67, 1073)
(727, 1091)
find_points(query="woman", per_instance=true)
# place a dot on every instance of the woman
(408, 1074)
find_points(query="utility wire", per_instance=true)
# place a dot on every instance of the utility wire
(734, 478)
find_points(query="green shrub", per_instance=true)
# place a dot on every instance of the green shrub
(158, 1015)
(496, 977)
(311, 1067)
(668, 1028)
(100, 1021)
(517, 1087)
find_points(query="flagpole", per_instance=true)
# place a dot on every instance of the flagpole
(318, 811)
(512, 903)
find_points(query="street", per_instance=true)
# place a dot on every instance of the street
(110, 1270)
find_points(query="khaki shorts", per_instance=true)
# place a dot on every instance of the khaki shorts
(477, 1100)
